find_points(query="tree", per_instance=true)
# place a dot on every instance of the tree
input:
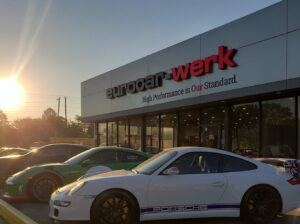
(3, 126)
(49, 114)
(30, 130)
(3, 118)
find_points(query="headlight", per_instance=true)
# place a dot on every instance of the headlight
(10, 181)
(61, 203)
(77, 187)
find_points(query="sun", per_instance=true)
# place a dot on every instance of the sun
(11, 93)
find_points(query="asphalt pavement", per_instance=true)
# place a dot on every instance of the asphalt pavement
(39, 213)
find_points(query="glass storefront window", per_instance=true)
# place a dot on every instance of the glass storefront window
(245, 129)
(168, 130)
(189, 123)
(102, 133)
(135, 133)
(298, 127)
(279, 128)
(123, 133)
(152, 134)
(112, 133)
(212, 127)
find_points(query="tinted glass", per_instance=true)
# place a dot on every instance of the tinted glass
(51, 150)
(197, 163)
(298, 127)
(155, 162)
(104, 157)
(81, 157)
(112, 133)
(233, 164)
(168, 130)
(245, 129)
(126, 157)
(279, 128)
(102, 134)
(123, 129)
(135, 133)
(74, 150)
(212, 127)
(152, 136)
(189, 127)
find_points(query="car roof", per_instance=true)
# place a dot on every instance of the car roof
(65, 144)
(186, 149)
(123, 149)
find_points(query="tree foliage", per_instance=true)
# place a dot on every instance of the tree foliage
(24, 132)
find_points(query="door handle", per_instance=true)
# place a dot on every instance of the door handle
(218, 184)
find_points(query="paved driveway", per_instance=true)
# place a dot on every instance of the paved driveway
(39, 213)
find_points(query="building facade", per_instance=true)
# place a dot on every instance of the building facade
(236, 87)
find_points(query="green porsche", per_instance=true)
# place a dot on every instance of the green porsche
(38, 182)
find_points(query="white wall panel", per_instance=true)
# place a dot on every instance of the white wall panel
(293, 14)
(260, 63)
(258, 26)
(293, 69)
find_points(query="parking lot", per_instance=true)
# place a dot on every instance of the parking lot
(39, 213)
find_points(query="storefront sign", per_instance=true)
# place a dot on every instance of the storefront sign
(188, 90)
(201, 67)
(198, 67)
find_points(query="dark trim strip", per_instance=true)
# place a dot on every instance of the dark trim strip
(187, 208)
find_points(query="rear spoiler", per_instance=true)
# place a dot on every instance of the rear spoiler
(292, 167)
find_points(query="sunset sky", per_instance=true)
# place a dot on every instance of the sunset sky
(51, 46)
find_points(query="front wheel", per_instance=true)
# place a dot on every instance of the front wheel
(41, 187)
(260, 205)
(114, 207)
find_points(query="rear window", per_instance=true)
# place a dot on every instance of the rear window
(127, 157)
(233, 164)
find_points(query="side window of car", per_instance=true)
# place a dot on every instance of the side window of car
(104, 157)
(197, 163)
(233, 164)
(72, 150)
(127, 157)
(47, 151)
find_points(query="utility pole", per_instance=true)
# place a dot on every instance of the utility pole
(66, 108)
(58, 107)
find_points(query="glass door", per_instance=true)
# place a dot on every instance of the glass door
(212, 127)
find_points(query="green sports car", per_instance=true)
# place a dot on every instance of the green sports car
(38, 182)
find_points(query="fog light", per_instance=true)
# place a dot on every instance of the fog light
(62, 203)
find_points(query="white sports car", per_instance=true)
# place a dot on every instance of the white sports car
(187, 182)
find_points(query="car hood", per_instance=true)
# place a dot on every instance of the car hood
(112, 174)
(50, 165)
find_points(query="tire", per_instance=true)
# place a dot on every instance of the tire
(260, 205)
(114, 207)
(42, 186)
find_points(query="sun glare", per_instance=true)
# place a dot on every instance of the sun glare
(10, 93)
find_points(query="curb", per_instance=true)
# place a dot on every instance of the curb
(12, 215)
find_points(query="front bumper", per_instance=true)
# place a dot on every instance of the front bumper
(15, 191)
(78, 210)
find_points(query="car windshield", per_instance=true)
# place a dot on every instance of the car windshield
(80, 157)
(151, 165)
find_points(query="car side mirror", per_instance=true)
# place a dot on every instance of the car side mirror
(171, 171)
(87, 162)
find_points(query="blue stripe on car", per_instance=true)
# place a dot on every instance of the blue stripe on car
(187, 208)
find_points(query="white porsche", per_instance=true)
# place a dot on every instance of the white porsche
(186, 182)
